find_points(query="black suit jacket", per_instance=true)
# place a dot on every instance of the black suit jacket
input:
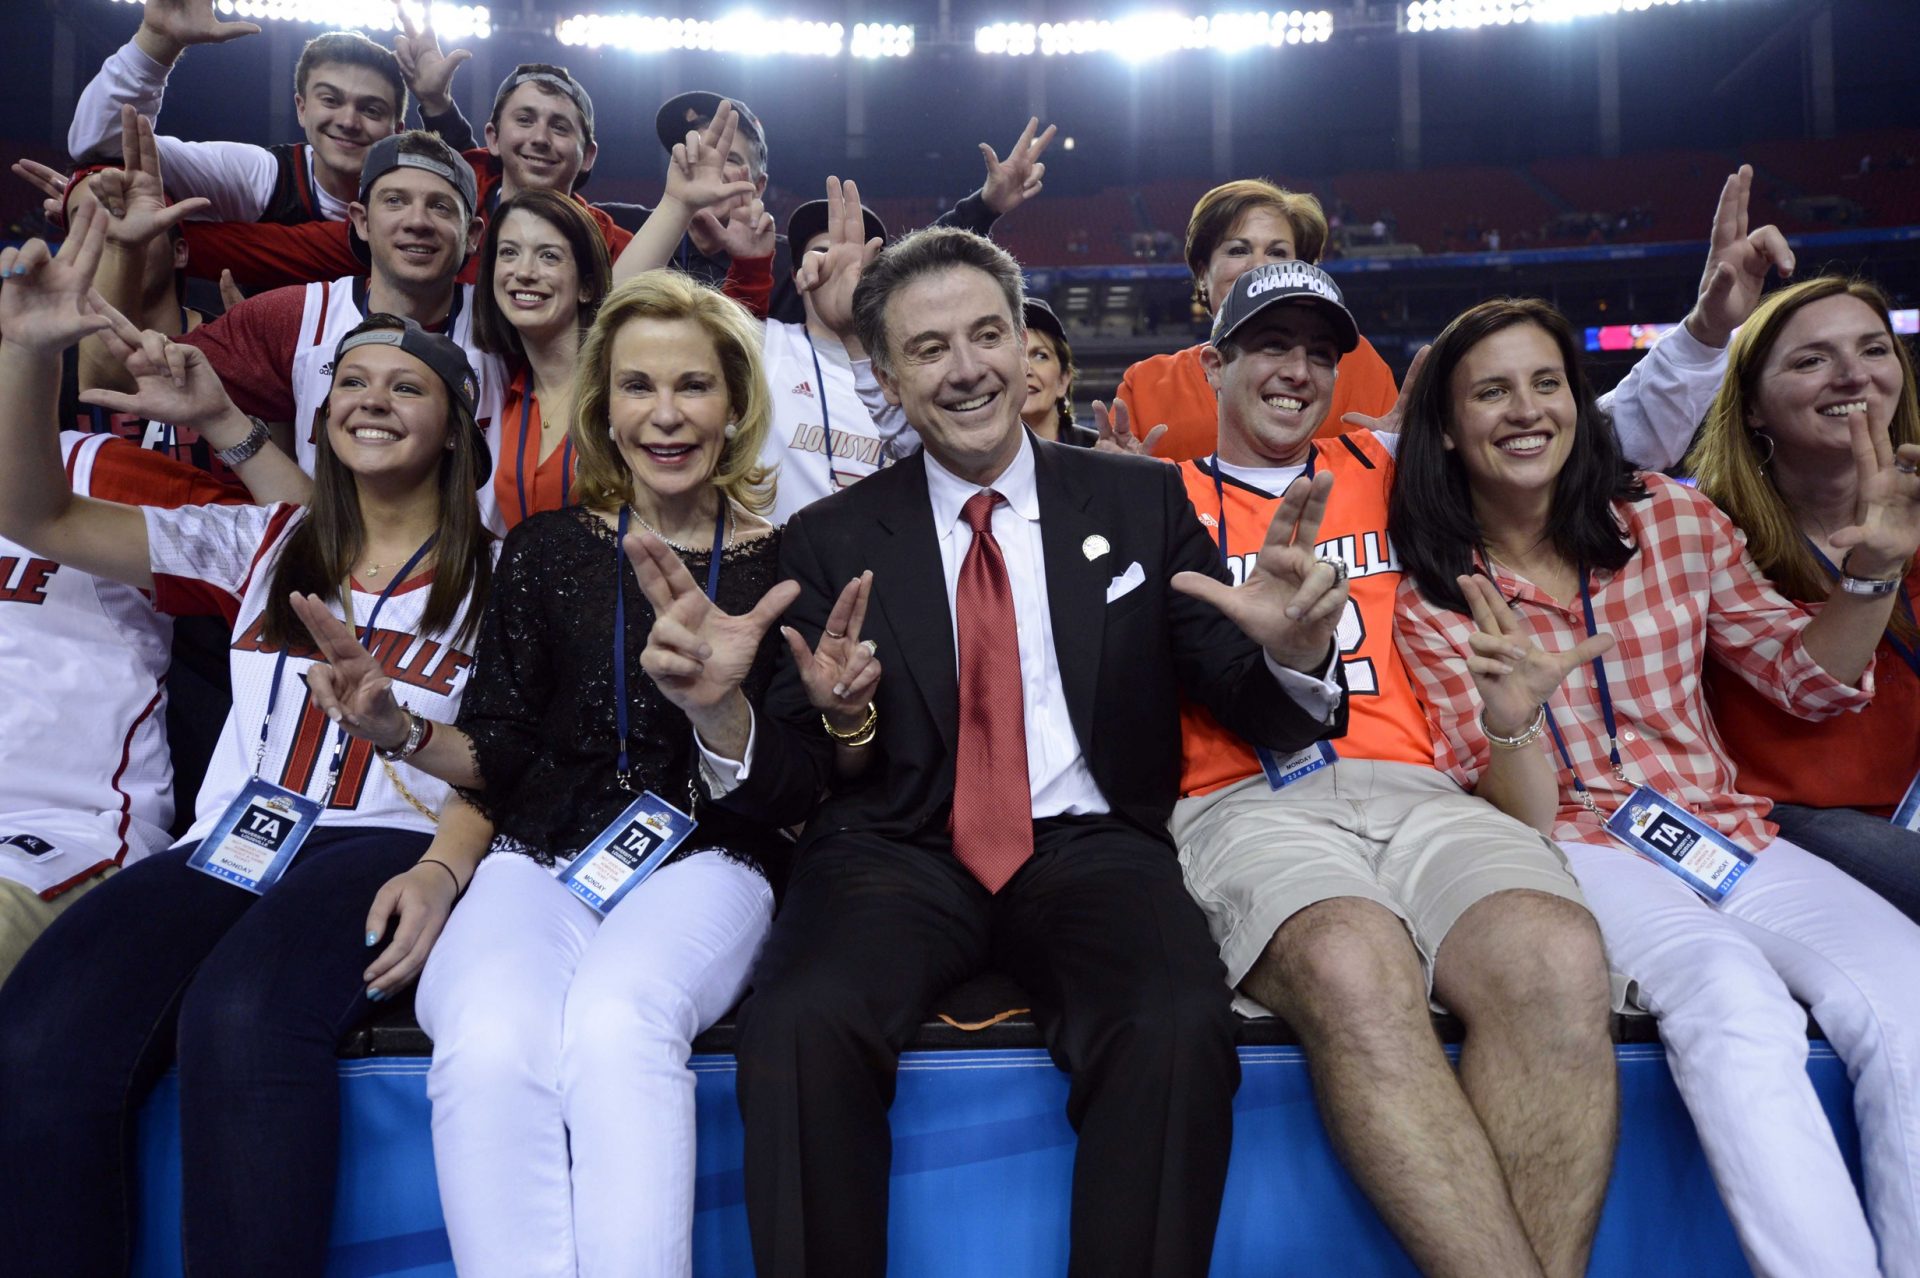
(1124, 664)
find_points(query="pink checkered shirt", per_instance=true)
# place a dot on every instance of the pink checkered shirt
(1691, 588)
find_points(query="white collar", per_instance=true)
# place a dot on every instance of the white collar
(948, 492)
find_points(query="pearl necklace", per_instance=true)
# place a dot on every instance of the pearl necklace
(726, 539)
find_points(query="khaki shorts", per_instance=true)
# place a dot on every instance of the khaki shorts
(1404, 837)
(24, 916)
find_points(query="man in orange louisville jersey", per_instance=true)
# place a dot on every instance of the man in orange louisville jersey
(1350, 883)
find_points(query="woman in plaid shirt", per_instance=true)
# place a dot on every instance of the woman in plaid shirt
(1551, 591)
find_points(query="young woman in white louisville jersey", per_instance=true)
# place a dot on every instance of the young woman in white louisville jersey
(254, 989)
(563, 1110)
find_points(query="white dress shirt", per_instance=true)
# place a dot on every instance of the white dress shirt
(1057, 773)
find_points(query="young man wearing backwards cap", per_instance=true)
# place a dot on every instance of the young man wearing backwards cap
(539, 136)
(413, 228)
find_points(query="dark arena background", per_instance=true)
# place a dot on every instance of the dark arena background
(1462, 149)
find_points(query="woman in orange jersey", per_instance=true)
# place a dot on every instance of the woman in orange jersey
(1775, 454)
(1235, 227)
(543, 274)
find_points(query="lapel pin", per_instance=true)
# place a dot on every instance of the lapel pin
(1094, 546)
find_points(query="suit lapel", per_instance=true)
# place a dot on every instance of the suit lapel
(1076, 585)
(911, 589)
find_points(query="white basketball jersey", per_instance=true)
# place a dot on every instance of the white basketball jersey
(807, 406)
(331, 311)
(85, 777)
(222, 560)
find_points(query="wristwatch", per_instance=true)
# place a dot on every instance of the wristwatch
(244, 450)
(416, 737)
(1866, 585)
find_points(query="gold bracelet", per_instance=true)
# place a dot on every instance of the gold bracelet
(861, 735)
(1526, 738)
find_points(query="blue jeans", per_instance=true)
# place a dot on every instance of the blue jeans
(251, 995)
(1872, 849)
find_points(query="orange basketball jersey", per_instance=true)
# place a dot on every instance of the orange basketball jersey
(1385, 719)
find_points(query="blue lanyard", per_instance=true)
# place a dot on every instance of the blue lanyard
(1606, 709)
(621, 570)
(826, 419)
(520, 470)
(1907, 654)
(1220, 497)
(280, 665)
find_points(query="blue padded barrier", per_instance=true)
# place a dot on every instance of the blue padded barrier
(982, 1164)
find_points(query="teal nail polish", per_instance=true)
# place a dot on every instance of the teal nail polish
(374, 995)
(372, 937)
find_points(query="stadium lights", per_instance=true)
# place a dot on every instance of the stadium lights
(452, 22)
(1148, 35)
(745, 33)
(881, 40)
(1448, 15)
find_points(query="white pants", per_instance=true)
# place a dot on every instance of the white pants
(563, 1116)
(1723, 983)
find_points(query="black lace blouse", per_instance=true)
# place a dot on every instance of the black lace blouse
(539, 705)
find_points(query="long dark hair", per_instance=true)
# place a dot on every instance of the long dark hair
(322, 549)
(1430, 512)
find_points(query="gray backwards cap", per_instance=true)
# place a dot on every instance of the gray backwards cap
(1285, 283)
(441, 354)
(557, 78)
(443, 161)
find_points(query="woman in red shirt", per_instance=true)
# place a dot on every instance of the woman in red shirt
(1570, 697)
(543, 275)
(1776, 455)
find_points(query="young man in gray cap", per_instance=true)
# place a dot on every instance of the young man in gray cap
(412, 231)
(705, 252)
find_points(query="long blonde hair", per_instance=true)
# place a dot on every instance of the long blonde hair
(602, 480)
(1729, 467)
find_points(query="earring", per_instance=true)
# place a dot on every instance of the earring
(1755, 438)
(733, 428)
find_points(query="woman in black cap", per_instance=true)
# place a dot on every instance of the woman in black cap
(229, 951)
(1048, 411)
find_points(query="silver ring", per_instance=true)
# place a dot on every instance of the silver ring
(1905, 467)
(836, 634)
(872, 647)
(1339, 567)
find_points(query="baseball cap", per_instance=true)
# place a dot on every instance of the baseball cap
(556, 78)
(810, 219)
(441, 354)
(686, 110)
(1041, 316)
(424, 151)
(1285, 284)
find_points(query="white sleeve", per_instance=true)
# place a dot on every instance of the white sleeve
(237, 177)
(1664, 397)
(721, 774)
(128, 78)
(216, 545)
(896, 436)
(1318, 695)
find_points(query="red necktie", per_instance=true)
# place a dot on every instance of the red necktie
(992, 805)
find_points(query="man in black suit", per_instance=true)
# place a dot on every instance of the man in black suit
(1003, 800)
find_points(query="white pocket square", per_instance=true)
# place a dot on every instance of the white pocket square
(1126, 581)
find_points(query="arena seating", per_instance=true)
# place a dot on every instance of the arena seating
(983, 1159)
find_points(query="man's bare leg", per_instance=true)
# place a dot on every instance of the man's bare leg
(1345, 974)
(1527, 974)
